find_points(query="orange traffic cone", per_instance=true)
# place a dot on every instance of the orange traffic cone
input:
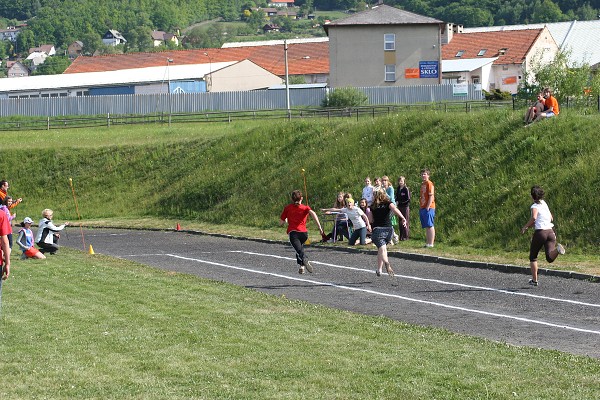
(91, 250)
(178, 227)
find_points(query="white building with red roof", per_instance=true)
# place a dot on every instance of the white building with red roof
(496, 60)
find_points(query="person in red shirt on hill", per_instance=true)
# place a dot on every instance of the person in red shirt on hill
(296, 215)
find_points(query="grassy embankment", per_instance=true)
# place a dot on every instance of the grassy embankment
(235, 178)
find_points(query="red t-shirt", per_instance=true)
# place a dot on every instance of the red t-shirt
(296, 215)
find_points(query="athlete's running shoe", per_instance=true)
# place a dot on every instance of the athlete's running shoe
(560, 248)
(533, 283)
(308, 266)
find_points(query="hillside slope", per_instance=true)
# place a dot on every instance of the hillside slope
(483, 165)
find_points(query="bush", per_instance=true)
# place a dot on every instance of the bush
(345, 97)
(497, 94)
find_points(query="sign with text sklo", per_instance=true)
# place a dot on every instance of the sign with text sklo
(428, 69)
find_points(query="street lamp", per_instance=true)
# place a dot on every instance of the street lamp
(209, 81)
(169, 61)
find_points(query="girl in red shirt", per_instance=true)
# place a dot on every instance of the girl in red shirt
(296, 214)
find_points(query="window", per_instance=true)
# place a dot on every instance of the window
(460, 53)
(389, 41)
(481, 52)
(390, 73)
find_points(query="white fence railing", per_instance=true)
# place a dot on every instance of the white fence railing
(142, 104)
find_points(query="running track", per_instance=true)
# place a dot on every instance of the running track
(561, 314)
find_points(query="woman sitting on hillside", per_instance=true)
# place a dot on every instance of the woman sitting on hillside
(536, 109)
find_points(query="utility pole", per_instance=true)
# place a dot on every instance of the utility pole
(287, 77)
(169, 61)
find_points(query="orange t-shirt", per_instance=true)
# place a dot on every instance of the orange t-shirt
(552, 102)
(426, 193)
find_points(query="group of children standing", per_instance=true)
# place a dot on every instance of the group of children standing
(401, 197)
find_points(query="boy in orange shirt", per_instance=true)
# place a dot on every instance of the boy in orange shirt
(427, 208)
(551, 105)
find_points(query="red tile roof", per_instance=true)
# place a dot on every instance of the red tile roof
(303, 59)
(516, 43)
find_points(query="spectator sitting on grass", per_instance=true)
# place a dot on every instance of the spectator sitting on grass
(551, 106)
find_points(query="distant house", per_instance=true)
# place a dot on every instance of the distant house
(16, 69)
(288, 14)
(48, 49)
(578, 37)
(280, 3)
(113, 38)
(384, 46)
(162, 38)
(496, 59)
(75, 49)
(269, 12)
(10, 33)
(271, 28)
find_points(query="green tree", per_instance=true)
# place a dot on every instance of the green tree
(562, 77)
(25, 41)
(546, 11)
(53, 66)
(467, 15)
(257, 19)
(201, 37)
(139, 39)
(92, 41)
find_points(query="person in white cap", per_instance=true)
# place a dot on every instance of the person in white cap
(25, 241)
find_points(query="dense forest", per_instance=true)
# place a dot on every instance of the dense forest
(61, 22)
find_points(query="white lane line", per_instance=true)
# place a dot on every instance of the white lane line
(580, 303)
(432, 303)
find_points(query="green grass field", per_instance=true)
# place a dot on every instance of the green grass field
(80, 326)
(77, 326)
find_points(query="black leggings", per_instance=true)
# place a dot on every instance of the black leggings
(542, 238)
(51, 248)
(297, 239)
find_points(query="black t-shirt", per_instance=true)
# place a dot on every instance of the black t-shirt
(381, 215)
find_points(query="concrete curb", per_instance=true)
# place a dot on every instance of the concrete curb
(507, 268)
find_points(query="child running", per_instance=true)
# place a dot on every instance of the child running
(296, 214)
(543, 236)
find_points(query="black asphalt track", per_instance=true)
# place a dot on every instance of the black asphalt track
(560, 314)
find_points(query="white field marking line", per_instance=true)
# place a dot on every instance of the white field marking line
(416, 278)
(395, 296)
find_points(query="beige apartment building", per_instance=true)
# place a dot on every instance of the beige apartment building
(384, 46)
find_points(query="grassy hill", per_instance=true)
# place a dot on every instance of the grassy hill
(482, 163)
